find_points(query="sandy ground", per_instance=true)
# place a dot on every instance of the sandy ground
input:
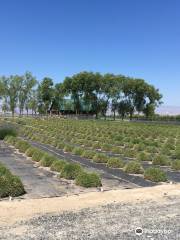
(95, 216)
(16, 210)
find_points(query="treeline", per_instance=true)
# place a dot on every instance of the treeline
(159, 118)
(91, 93)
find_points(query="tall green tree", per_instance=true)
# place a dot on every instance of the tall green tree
(12, 86)
(26, 86)
(45, 94)
(32, 102)
(149, 110)
(59, 93)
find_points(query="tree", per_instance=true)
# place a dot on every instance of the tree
(26, 86)
(3, 94)
(3, 80)
(45, 94)
(149, 110)
(59, 93)
(112, 89)
(32, 102)
(90, 93)
(5, 106)
(12, 85)
(128, 89)
(72, 87)
(103, 107)
(123, 108)
(84, 87)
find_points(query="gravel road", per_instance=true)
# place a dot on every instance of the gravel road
(159, 221)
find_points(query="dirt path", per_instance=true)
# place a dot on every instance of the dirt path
(23, 209)
(111, 215)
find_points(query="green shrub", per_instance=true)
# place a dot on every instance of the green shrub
(117, 150)
(77, 151)
(161, 160)
(118, 138)
(129, 145)
(10, 139)
(87, 180)
(60, 145)
(7, 137)
(133, 167)
(54, 143)
(100, 158)
(143, 156)
(165, 151)
(11, 186)
(22, 145)
(169, 146)
(37, 155)
(21, 122)
(88, 154)
(140, 147)
(4, 170)
(71, 171)
(79, 141)
(129, 153)
(152, 149)
(115, 163)
(177, 153)
(47, 160)
(176, 164)
(118, 143)
(58, 165)
(7, 131)
(68, 148)
(155, 175)
(96, 145)
(29, 152)
(106, 147)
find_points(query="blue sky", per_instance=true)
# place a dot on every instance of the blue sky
(58, 38)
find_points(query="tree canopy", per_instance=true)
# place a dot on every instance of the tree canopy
(98, 92)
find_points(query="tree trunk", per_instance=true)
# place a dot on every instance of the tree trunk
(131, 115)
(114, 116)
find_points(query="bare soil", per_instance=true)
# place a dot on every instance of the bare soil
(98, 215)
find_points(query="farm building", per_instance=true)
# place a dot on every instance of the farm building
(66, 106)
